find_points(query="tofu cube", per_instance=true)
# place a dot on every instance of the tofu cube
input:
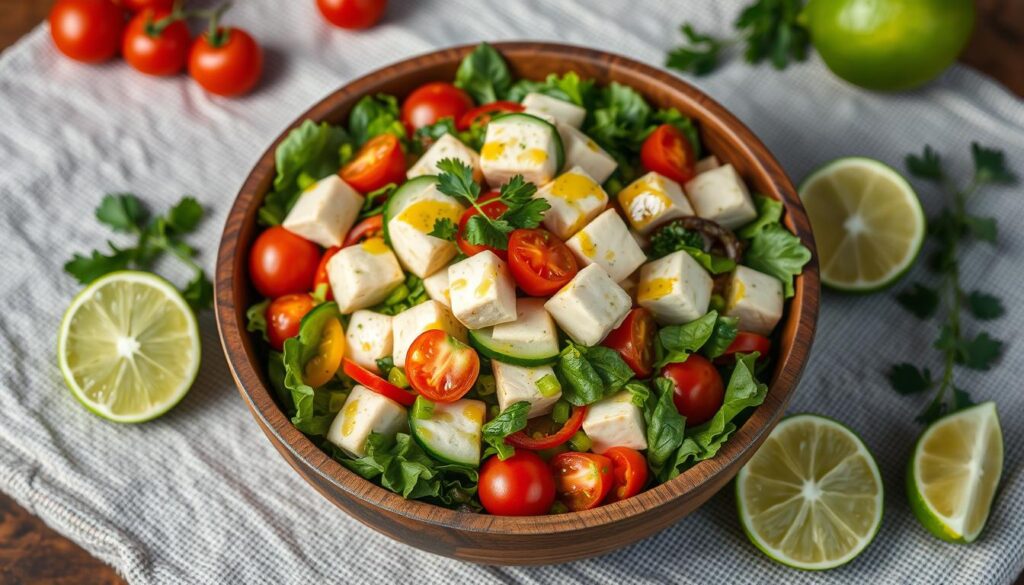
(533, 328)
(482, 291)
(756, 298)
(516, 145)
(575, 199)
(606, 241)
(652, 200)
(419, 252)
(721, 196)
(676, 289)
(410, 323)
(590, 306)
(368, 338)
(365, 412)
(325, 212)
(447, 146)
(362, 276)
(615, 422)
(516, 384)
(706, 164)
(581, 151)
(563, 111)
(436, 286)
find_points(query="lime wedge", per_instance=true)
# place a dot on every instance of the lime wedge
(953, 475)
(868, 223)
(129, 347)
(811, 497)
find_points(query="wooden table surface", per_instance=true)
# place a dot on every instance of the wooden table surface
(31, 552)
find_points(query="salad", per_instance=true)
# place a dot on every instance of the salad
(516, 297)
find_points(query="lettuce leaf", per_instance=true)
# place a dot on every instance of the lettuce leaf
(484, 75)
(776, 251)
(372, 116)
(256, 318)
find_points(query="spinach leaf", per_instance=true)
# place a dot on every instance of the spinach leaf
(722, 336)
(589, 374)
(508, 421)
(665, 426)
(484, 75)
(308, 154)
(677, 342)
(777, 252)
(373, 116)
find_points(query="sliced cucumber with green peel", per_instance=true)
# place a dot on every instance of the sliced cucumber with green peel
(531, 119)
(531, 340)
(510, 352)
(452, 433)
(401, 197)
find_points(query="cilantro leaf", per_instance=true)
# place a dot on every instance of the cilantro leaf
(985, 306)
(982, 228)
(990, 165)
(484, 74)
(920, 300)
(527, 215)
(86, 269)
(445, 229)
(700, 56)
(185, 215)
(936, 410)
(776, 251)
(908, 379)
(199, 292)
(961, 399)
(769, 211)
(981, 352)
(508, 421)
(517, 191)
(122, 212)
(926, 166)
(771, 30)
(483, 231)
(456, 180)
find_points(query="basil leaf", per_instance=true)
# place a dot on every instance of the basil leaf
(484, 75)
(508, 421)
(581, 384)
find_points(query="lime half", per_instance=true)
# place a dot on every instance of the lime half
(954, 473)
(811, 497)
(868, 223)
(129, 347)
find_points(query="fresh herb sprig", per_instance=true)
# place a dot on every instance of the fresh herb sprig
(125, 213)
(768, 29)
(456, 180)
(951, 231)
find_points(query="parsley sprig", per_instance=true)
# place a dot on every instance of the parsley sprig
(125, 213)
(768, 28)
(951, 230)
(456, 180)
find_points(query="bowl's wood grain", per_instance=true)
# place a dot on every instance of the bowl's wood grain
(506, 540)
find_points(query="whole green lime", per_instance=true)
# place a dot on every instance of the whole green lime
(889, 45)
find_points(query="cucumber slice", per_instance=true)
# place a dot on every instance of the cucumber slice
(509, 352)
(531, 340)
(531, 119)
(402, 197)
(452, 433)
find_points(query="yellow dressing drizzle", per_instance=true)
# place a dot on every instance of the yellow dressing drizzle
(473, 412)
(421, 215)
(587, 245)
(654, 289)
(644, 201)
(573, 188)
(351, 409)
(457, 284)
(534, 155)
(492, 150)
(737, 293)
(375, 245)
(485, 285)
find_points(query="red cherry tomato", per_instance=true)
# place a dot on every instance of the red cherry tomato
(634, 340)
(376, 383)
(154, 52)
(481, 115)
(493, 210)
(140, 5)
(518, 486)
(228, 64)
(352, 14)
(629, 469)
(321, 277)
(698, 388)
(87, 30)
(370, 227)
(668, 152)
(540, 262)
(379, 162)
(527, 441)
(430, 102)
(282, 263)
(284, 314)
(746, 342)
(440, 367)
(582, 480)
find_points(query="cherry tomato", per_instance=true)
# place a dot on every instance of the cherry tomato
(540, 262)
(325, 362)
(634, 340)
(87, 30)
(629, 470)
(352, 14)
(582, 480)
(668, 152)
(441, 367)
(376, 383)
(527, 441)
(430, 102)
(746, 342)
(481, 115)
(518, 486)
(230, 64)
(698, 388)
(493, 210)
(380, 161)
(153, 51)
(370, 227)
(282, 263)
(284, 314)
(140, 5)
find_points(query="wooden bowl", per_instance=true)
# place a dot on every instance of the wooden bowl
(508, 540)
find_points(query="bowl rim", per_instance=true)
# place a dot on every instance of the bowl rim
(236, 341)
